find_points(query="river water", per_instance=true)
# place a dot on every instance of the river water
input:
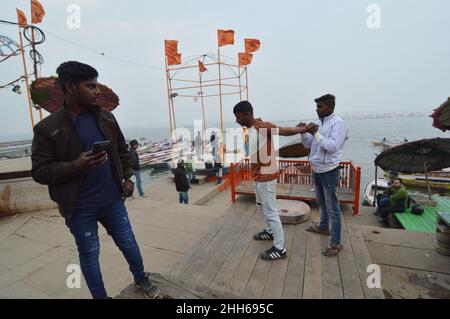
(359, 147)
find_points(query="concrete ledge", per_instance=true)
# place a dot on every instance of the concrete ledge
(23, 196)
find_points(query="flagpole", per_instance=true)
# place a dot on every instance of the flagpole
(240, 82)
(168, 97)
(221, 104)
(203, 103)
(246, 79)
(171, 100)
(33, 38)
(26, 78)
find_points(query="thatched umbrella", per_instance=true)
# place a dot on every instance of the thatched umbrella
(293, 151)
(441, 116)
(47, 93)
(417, 157)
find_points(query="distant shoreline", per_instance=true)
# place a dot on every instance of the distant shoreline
(25, 137)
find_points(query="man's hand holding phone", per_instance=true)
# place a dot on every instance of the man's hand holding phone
(88, 161)
(95, 158)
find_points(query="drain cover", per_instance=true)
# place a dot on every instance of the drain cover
(293, 212)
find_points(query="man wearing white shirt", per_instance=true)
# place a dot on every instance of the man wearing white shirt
(326, 139)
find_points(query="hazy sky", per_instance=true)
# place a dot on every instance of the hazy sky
(309, 48)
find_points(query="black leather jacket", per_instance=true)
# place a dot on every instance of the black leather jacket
(56, 146)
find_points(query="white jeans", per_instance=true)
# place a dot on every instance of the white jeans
(266, 202)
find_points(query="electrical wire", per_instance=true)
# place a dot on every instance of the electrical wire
(11, 83)
(111, 57)
(103, 54)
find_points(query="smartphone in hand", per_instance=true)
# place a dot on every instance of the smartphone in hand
(101, 146)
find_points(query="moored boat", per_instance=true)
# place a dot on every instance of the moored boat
(437, 180)
(369, 190)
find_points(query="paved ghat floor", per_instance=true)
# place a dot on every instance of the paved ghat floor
(36, 248)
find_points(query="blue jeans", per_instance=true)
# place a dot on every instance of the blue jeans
(137, 173)
(266, 203)
(383, 201)
(326, 185)
(219, 173)
(190, 177)
(184, 198)
(84, 227)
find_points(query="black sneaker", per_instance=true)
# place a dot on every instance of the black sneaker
(274, 254)
(264, 235)
(148, 289)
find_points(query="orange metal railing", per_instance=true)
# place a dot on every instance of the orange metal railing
(299, 172)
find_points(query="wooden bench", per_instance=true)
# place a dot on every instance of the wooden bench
(427, 221)
(444, 217)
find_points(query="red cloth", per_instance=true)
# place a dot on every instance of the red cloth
(21, 18)
(225, 37)
(174, 59)
(202, 67)
(37, 12)
(245, 59)
(252, 45)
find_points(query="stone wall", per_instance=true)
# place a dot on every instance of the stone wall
(19, 196)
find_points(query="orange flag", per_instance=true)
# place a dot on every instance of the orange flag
(245, 59)
(21, 18)
(171, 47)
(174, 59)
(225, 37)
(37, 12)
(202, 67)
(252, 45)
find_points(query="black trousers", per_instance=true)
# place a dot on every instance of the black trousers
(385, 211)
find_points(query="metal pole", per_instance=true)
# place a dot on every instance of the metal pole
(26, 78)
(203, 103)
(171, 100)
(246, 80)
(168, 97)
(376, 186)
(221, 106)
(426, 174)
(240, 83)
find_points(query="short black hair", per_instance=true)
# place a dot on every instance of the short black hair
(243, 107)
(134, 142)
(328, 99)
(75, 72)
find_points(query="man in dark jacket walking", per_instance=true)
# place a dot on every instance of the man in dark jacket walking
(136, 166)
(182, 183)
(88, 187)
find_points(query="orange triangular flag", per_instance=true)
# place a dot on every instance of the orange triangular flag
(174, 59)
(252, 45)
(202, 67)
(171, 47)
(225, 37)
(21, 18)
(37, 12)
(245, 59)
